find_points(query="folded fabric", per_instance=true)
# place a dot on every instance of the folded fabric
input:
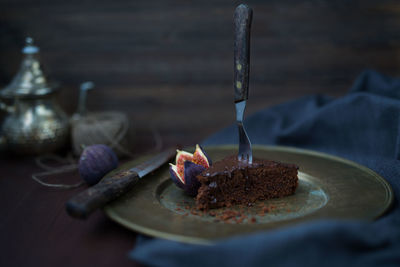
(362, 126)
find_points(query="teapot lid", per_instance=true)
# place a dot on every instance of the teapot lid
(30, 79)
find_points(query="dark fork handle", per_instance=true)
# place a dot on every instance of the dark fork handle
(242, 23)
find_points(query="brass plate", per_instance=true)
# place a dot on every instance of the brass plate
(329, 188)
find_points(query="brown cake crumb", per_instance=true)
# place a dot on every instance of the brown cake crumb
(235, 214)
(212, 213)
(228, 214)
(241, 219)
(194, 212)
(266, 209)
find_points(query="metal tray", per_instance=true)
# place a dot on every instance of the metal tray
(329, 188)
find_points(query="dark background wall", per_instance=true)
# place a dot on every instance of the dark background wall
(168, 63)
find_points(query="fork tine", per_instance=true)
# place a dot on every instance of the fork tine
(245, 152)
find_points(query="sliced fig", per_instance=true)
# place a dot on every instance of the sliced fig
(175, 176)
(192, 185)
(188, 166)
(200, 157)
(181, 157)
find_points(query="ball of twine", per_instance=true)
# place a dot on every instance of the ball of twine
(109, 128)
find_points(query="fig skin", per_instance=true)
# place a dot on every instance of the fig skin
(175, 179)
(95, 162)
(192, 185)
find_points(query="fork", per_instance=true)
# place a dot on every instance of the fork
(242, 24)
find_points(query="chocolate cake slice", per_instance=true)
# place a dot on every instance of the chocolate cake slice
(229, 182)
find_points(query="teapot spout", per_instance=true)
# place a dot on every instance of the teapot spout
(85, 87)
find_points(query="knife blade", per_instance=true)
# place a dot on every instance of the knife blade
(83, 204)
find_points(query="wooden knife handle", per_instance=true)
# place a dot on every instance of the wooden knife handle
(83, 204)
(242, 23)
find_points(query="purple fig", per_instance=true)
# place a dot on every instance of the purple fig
(95, 162)
(188, 166)
(175, 176)
(191, 183)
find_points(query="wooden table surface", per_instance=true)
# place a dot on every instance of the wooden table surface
(35, 230)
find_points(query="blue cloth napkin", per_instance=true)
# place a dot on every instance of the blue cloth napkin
(362, 126)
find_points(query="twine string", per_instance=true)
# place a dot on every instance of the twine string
(50, 170)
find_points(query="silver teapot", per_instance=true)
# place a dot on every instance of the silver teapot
(35, 123)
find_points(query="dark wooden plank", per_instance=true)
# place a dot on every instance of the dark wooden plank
(155, 60)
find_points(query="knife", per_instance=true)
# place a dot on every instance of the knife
(82, 205)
